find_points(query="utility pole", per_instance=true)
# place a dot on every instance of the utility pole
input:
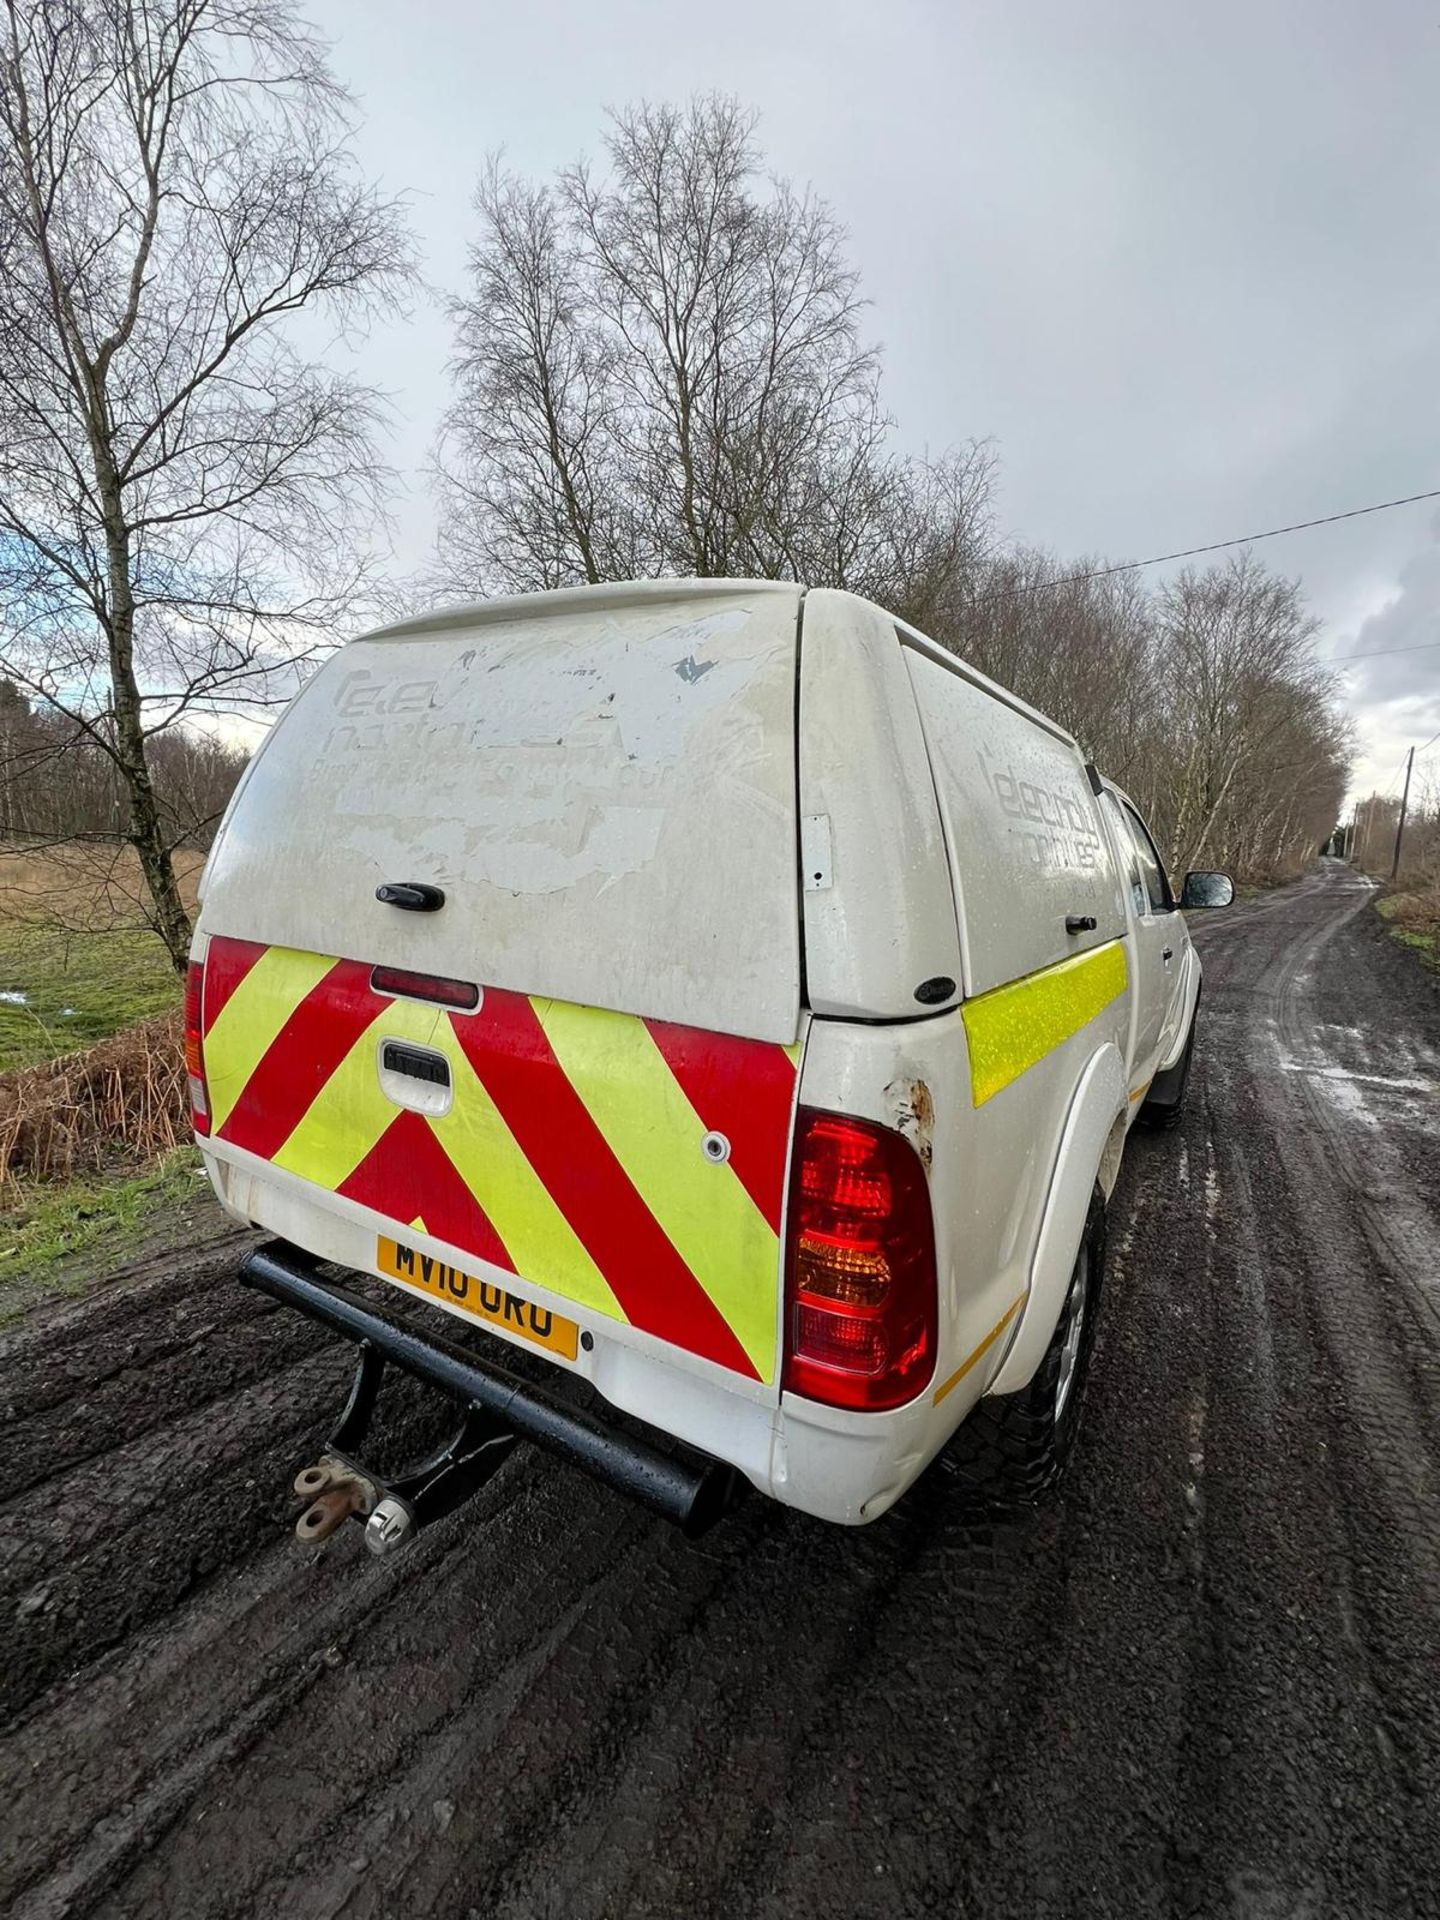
(1404, 803)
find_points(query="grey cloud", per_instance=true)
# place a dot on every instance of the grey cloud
(1410, 621)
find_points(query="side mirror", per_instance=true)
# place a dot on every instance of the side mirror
(1207, 890)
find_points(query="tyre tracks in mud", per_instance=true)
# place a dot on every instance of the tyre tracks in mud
(1200, 1682)
(1318, 1692)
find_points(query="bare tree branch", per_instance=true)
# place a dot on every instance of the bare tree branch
(185, 502)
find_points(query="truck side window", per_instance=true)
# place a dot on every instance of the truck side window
(1156, 885)
(1125, 841)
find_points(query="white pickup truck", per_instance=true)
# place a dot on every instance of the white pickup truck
(713, 988)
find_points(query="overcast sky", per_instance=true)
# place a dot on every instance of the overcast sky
(1182, 263)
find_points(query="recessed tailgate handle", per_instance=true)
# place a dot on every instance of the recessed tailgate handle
(415, 896)
(433, 1068)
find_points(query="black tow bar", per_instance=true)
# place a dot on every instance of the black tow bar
(498, 1409)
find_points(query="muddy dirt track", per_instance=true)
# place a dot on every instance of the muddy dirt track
(1205, 1681)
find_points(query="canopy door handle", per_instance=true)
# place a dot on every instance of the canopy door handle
(415, 896)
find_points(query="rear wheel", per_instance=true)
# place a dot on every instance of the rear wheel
(1015, 1446)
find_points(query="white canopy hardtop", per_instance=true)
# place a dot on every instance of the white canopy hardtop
(600, 780)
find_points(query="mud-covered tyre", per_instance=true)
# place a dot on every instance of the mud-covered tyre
(1164, 1106)
(1015, 1446)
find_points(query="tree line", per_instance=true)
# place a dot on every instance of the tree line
(1202, 697)
(661, 367)
(57, 785)
(1376, 827)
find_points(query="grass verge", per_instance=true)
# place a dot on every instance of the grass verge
(1414, 920)
(61, 989)
(94, 1172)
(58, 1239)
(77, 961)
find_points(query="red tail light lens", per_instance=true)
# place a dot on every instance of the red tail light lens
(425, 986)
(194, 1047)
(860, 1295)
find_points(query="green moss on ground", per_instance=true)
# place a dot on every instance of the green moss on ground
(1426, 942)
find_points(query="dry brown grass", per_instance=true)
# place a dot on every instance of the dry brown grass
(83, 886)
(119, 1103)
(1414, 902)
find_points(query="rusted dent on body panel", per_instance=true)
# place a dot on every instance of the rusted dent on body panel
(915, 1115)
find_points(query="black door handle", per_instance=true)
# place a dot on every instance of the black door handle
(415, 896)
(1167, 953)
(1079, 923)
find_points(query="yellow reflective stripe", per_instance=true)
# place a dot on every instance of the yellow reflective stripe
(1012, 1027)
(984, 1347)
(654, 1132)
(251, 1019)
(350, 1112)
(540, 1241)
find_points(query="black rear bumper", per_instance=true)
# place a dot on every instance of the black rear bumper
(691, 1490)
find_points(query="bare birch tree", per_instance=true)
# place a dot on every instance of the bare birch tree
(660, 370)
(183, 495)
(1081, 649)
(1237, 645)
(533, 496)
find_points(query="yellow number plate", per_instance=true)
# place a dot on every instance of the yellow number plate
(479, 1298)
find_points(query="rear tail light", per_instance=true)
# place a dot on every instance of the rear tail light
(425, 986)
(194, 1047)
(860, 1294)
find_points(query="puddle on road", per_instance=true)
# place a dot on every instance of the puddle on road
(1212, 1188)
(1360, 1079)
(1408, 1096)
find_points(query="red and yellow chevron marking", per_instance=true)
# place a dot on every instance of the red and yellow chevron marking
(571, 1152)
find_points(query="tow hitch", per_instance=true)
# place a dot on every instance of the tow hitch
(496, 1409)
(394, 1509)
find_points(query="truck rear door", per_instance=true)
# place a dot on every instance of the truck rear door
(579, 1070)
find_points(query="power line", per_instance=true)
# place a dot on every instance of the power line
(1215, 546)
(1399, 769)
(1390, 784)
(1380, 653)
